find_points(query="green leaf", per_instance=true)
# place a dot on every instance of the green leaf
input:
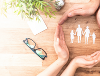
(15, 11)
(17, 5)
(5, 15)
(30, 8)
(47, 10)
(19, 12)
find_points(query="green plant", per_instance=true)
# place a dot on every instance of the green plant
(30, 8)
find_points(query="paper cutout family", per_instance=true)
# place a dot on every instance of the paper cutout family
(80, 33)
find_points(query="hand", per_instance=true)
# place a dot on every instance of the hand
(98, 17)
(75, 33)
(90, 35)
(80, 9)
(60, 45)
(87, 61)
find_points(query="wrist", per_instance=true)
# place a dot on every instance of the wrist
(70, 70)
(74, 63)
(62, 61)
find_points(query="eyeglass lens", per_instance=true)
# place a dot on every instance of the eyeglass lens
(32, 45)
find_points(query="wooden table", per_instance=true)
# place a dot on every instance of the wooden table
(16, 59)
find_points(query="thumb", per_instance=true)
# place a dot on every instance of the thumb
(76, 12)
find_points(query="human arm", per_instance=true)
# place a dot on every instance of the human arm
(83, 33)
(53, 69)
(62, 52)
(80, 9)
(75, 33)
(90, 35)
(82, 61)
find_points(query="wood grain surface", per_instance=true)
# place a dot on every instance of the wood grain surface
(16, 59)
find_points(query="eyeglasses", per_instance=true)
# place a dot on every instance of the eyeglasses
(31, 44)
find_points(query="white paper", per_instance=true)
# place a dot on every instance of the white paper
(87, 34)
(37, 26)
(79, 32)
(93, 36)
(72, 36)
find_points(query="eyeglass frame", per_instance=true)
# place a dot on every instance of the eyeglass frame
(34, 50)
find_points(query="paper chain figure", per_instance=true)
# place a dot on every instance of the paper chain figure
(93, 36)
(80, 33)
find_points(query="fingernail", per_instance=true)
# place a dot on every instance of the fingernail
(69, 14)
(96, 60)
(57, 39)
(59, 23)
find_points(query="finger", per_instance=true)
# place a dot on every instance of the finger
(96, 56)
(88, 58)
(90, 66)
(95, 53)
(77, 12)
(56, 43)
(96, 62)
(61, 34)
(99, 58)
(63, 18)
(91, 62)
(65, 15)
(93, 56)
(57, 33)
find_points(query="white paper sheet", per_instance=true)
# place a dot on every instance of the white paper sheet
(79, 32)
(37, 26)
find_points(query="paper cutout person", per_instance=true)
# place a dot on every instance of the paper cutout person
(87, 34)
(72, 36)
(79, 33)
(93, 36)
